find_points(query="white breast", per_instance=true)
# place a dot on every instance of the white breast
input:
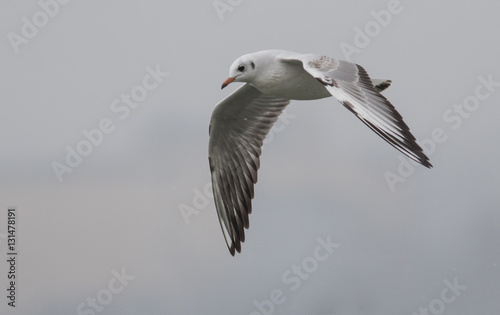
(289, 81)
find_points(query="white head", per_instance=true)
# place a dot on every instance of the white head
(242, 70)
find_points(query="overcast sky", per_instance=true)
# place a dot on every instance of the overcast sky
(104, 120)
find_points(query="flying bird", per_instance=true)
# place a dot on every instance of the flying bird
(241, 121)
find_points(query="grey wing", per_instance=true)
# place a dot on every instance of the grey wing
(238, 127)
(351, 85)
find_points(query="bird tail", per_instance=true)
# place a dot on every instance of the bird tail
(380, 85)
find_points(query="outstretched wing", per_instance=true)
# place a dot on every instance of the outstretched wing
(350, 84)
(238, 127)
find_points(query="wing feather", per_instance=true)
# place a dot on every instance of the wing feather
(238, 127)
(352, 86)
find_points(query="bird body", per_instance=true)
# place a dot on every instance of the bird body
(285, 79)
(241, 121)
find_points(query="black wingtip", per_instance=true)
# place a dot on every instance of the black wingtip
(427, 164)
(383, 85)
(421, 158)
(233, 249)
(418, 154)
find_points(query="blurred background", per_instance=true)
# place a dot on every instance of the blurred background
(104, 120)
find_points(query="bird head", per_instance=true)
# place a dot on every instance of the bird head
(242, 70)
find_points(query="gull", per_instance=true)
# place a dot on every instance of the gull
(241, 121)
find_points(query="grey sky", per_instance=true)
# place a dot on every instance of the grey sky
(425, 239)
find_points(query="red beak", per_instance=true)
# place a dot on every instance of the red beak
(226, 83)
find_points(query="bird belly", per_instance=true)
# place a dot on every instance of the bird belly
(295, 84)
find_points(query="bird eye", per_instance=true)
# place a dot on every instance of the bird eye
(241, 68)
